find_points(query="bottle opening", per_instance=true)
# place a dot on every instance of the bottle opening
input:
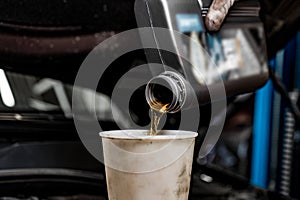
(161, 97)
(166, 92)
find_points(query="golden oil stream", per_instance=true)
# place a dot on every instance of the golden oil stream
(157, 111)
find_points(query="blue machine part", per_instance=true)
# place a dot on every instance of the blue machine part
(261, 135)
(215, 48)
(189, 23)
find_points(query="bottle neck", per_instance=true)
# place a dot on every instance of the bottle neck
(167, 92)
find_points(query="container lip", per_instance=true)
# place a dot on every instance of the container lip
(139, 134)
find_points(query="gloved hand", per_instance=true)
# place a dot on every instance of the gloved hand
(217, 13)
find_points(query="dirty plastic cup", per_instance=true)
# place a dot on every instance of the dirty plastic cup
(143, 167)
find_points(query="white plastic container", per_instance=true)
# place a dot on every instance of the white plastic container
(142, 167)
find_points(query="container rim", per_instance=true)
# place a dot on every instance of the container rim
(136, 134)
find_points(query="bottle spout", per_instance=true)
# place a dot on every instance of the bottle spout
(169, 92)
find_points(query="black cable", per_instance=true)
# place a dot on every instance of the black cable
(280, 88)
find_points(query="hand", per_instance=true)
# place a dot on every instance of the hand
(217, 13)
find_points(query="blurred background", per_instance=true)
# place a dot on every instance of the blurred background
(43, 43)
